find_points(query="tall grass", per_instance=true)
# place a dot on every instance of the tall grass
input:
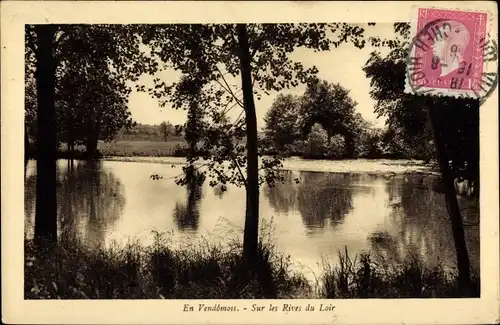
(207, 270)
(203, 270)
(365, 278)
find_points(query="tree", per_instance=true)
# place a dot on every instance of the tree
(30, 111)
(166, 129)
(259, 55)
(316, 145)
(405, 116)
(92, 104)
(451, 123)
(49, 51)
(46, 205)
(330, 105)
(281, 122)
(372, 145)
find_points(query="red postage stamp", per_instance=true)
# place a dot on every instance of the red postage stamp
(450, 54)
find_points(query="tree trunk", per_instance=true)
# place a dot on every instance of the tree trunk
(92, 148)
(91, 143)
(463, 262)
(93, 131)
(70, 141)
(46, 206)
(349, 146)
(26, 144)
(251, 233)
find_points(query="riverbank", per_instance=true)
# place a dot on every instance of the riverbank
(175, 150)
(364, 166)
(215, 271)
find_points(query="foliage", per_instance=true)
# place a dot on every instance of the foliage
(93, 64)
(281, 123)
(208, 54)
(94, 104)
(213, 271)
(30, 105)
(166, 129)
(330, 105)
(407, 114)
(316, 145)
(336, 147)
(144, 132)
(290, 119)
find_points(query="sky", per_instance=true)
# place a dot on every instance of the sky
(339, 65)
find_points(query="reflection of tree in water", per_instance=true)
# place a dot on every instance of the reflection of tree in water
(29, 204)
(283, 196)
(383, 244)
(187, 214)
(324, 196)
(423, 224)
(219, 192)
(89, 197)
(317, 196)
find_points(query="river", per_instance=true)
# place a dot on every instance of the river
(319, 209)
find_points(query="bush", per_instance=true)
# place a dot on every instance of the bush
(316, 143)
(336, 148)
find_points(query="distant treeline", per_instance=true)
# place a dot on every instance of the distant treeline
(164, 131)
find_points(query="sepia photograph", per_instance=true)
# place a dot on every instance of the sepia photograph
(309, 160)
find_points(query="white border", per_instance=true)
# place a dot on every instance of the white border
(14, 14)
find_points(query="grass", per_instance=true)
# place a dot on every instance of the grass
(204, 270)
(216, 271)
(365, 278)
(130, 148)
(124, 148)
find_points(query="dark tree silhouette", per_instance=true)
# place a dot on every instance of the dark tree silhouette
(49, 49)
(46, 205)
(281, 123)
(330, 106)
(451, 124)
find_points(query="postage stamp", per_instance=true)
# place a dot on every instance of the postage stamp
(451, 54)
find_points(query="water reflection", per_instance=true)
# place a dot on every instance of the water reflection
(218, 191)
(420, 225)
(321, 198)
(324, 198)
(283, 197)
(29, 201)
(90, 200)
(187, 213)
(392, 216)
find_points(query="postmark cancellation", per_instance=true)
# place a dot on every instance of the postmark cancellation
(452, 54)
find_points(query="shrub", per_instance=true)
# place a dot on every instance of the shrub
(336, 147)
(316, 143)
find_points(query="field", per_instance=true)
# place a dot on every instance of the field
(131, 148)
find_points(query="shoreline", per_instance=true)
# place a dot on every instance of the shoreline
(354, 166)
